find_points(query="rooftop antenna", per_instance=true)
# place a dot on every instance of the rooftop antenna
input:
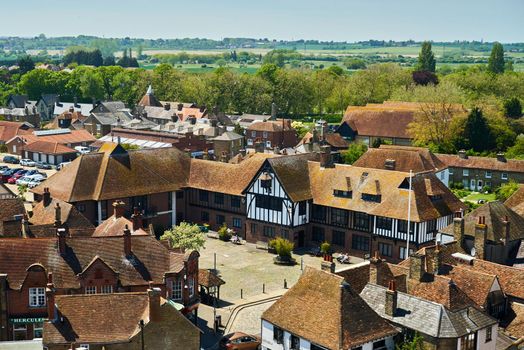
(409, 214)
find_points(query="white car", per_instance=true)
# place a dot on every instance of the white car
(35, 182)
(27, 162)
(26, 180)
(82, 149)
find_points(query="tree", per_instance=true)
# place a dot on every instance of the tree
(425, 78)
(517, 150)
(512, 108)
(496, 59)
(185, 236)
(506, 190)
(354, 152)
(300, 128)
(416, 343)
(426, 59)
(25, 64)
(477, 133)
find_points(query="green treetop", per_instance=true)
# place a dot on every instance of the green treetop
(496, 59)
(426, 59)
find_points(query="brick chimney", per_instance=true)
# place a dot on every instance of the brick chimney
(458, 228)
(391, 299)
(167, 106)
(137, 219)
(507, 231)
(61, 237)
(374, 268)
(46, 196)
(259, 146)
(58, 215)
(501, 157)
(180, 106)
(127, 241)
(153, 294)
(326, 160)
(50, 296)
(417, 267)
(462, 154)
(118, 209)
(437, 259)
(481, 231)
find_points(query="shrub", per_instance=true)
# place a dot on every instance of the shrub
(324, 248)
(185, 236)
(486, 189)
(3, 148)
(283, 247)
(225, 233)
(506, 190)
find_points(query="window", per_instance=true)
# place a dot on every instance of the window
(316, 347)
(268, 202)
(36, 297)
(317, 234)
(450, 171)
(278, 335)
(237, 223)
(343, 194)
(250, 142)
(435, 197)
(488, 174)
(98, 128)
(403, 226)
(235, 202)
(385, 249)
(504, 176)
(384, 223)
(302, 208)
(219, 198)
(360, 243)
(176, 289)
(295, 343)
(253, 134)
(465, 172)
(84, 346)
(402, 252)
(253, 228)
(268, 144)
(204, 215)
(371, 197)
(468, 342)
(319, 213)
(285, 234)
(381, 344)
(339, 217)
(19, 332)
(37, 329)
(107, 289)
(488, 334)
(264, 134)
(90, 290)
(191, 286)
(220, 219)
(338, 238)
(361, 221)
(269, 231)
(203, 196)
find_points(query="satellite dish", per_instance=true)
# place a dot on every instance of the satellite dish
(473, 251)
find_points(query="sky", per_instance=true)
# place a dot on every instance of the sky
(337, 20)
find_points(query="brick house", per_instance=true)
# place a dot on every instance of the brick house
(273, 133)
(9, 130)
(27, 114)
(87, 265)
(91, 321)
(228, 145)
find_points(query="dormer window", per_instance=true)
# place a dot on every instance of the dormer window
(342, 194)
(265, 181)
(371, 197)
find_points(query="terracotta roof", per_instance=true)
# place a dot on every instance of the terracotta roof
(43, 219)
(391, 185)
(48, 148)
(358, 275)
(471, 162)
(9, 207)
(514, 322)
(74, 136)
(149, 99)
(66, 115)
(271, 125)
(8, 130)
(149, 262)
(516, 201)
(494, 213)
(114, 227)
(332, 139)
(208, 278)
(116, 173)
(323, 309)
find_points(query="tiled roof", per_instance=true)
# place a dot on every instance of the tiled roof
(208, 278)
(74, 136)
(48, 147)
(110, 118)
(8, 130)
(149, 99)
(149, 261)
(332, 139)
(9, 207)
(292, 173)
(514, 322)
(110, 175)
(271, 125)
(516, 201)
(325, 310)
(471, 162)
(394, 200)
(494, 213)
(114, 227)
(228, 136)
(425, 316)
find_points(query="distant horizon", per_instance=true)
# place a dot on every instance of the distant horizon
(288, 20)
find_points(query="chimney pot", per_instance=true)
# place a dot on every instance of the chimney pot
(417, 267)
(180, 106)
(481, 231)
(61, 234)
(167, 106)
(46, 196)
(127, 241)
(462, 154)
(118, 209)
(153, 294)
(58, 215)
(391, 299)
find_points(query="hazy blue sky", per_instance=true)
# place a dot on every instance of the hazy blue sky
(349, 20)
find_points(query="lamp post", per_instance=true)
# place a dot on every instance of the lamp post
(141, 323)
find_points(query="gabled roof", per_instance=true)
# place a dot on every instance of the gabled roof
(271, 125)
(208, 279)
(149, 99)
(18, 100)
(48, 99)
(516, 201)
(486, 163)
(111, 175)
(110, 118)
(494, 213)
(8, 130)
(325, 310)
(48, 148)
(114, 227)
(228, 136)
(61, 107)
(62, 136)
(514, 320)
(425, 316)
(332, 139)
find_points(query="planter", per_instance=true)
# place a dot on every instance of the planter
(286, 261)
(271, 250)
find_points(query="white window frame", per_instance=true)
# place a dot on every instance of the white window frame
(106, 289)
(465, 172)
(250, 142)
(37, 297)
(176, 289)
(89, 290)
(489, 174)
(504, 176)
(268, 144)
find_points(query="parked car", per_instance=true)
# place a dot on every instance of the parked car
(82, 149)
(62, 165)
(16, 176)
(35, 182)
(31, 180)
(24, 180)
(11, 160)
(3, 168)
(240, 341)
(7, 174)
(42, 165)
(27, 162)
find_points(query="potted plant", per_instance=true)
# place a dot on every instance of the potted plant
(283, 249)
(224, 233)
(325, 248)
(272, 246)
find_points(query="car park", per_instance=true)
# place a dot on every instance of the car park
(10, 160)
(27, 162)
(35, 182)
(43, 165)
(7, 174)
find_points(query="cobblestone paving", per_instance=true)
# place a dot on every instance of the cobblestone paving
(248, 320)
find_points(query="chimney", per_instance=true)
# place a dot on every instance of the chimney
(458, 228)
(501, 157)
(391, 299)
(214, 123)
(137, 219)
(202, 108)
(242, 152)
(58, 215)
(118, 209)
(50, 296)
(71, 109)
(167, 106)
(276, 150)
(437, 259)
(507, 235)
(325, 157)
(47, 196)
(61, 235)
(462, 154)
(25, 226)
(180, 106)
(259, 146)
(480, 237)
(417, 267)
(153, 294)
(223, 157)
(75, 101)
(127, 241)
(374, 266)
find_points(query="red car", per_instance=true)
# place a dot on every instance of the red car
(240, 341)
(16, 176)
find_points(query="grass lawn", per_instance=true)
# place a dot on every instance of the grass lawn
(475, 196)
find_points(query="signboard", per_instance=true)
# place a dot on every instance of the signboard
(27, 320)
